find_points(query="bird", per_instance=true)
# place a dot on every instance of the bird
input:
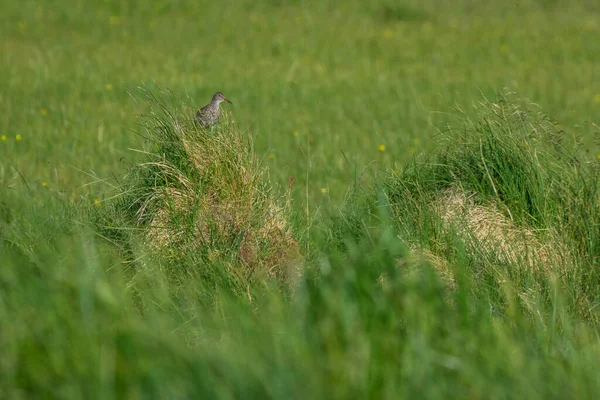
(209, 115)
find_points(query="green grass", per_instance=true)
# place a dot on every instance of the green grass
(345, 76)
(440, 239)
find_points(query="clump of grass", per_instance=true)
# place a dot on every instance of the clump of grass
(494, 234)
(200, 198)
(508, 192)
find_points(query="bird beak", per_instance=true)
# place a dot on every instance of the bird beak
(228, 101)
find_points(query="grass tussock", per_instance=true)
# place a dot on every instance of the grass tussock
(202, 194)
(507, 193)
(494, 234)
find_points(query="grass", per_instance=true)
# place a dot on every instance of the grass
(377, 81)
(506, 194)
(439, 238)
(201, 198)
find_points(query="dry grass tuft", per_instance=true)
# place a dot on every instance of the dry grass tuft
(215, 203)
(489, 234)
(493, 233)
(417, 256)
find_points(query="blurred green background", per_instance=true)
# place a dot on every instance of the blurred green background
(327, 88)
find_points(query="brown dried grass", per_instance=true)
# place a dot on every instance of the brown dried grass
(220, 207)
(493, 233)
(418, 255)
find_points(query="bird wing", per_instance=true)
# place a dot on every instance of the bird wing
(204, 109)
(202, 115)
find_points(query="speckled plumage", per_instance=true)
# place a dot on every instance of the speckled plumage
(209, 115)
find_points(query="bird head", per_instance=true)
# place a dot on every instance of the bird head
(219, 98)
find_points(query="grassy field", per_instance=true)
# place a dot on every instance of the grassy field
(441, 237)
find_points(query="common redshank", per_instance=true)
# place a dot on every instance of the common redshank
(209, 115)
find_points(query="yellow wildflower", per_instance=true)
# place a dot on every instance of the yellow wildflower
(44, 184)
(272, 156)
(109, 86)
(4, 138)
(96, 202)
(381, 147)
(597, 98)
(296, 133)
(18, 137)
(44, 111)
(324, 190)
